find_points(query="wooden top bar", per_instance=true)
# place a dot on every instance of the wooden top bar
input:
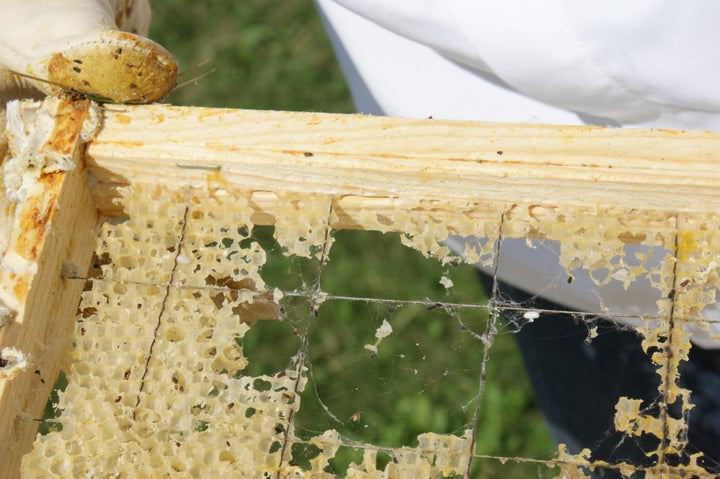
(379, 157)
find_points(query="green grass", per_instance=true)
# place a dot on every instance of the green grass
(274, 55)
(266, 54)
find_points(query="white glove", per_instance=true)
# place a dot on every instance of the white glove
(77, 45)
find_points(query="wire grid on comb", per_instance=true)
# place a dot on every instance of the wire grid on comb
(158, 382)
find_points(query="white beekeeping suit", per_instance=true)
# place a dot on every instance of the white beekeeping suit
(646, 64)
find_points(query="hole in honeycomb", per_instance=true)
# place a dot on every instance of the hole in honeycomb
(287, 272)
(370, 264)
(344, 457)
(202, 425)
(421, 387)
(484, 467)
(51, 411)
(97, 264)
(261, 385)
(302, 454)
(382, 460)
(284, 336)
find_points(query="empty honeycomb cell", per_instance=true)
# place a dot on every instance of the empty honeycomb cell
(230, 361)
(174, 334)
(227, 456)
(61, 468)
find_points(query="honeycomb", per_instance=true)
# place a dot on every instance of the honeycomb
(161, 378)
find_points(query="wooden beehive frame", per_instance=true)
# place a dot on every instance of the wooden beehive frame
(370, 166)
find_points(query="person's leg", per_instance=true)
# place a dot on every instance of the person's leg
(577, 381)
(701, 374)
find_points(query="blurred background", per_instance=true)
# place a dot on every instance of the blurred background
(270, 54)
(275, 55)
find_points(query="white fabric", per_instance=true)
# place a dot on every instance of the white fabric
(49, 23)
(646, 63)
(36, 28)
(391, 75)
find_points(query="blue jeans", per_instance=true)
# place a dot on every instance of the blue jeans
(577, 383)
